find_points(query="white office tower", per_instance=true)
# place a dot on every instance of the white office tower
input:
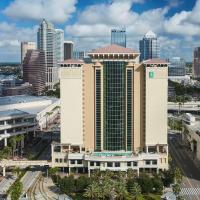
(59, 45)
(46, 41)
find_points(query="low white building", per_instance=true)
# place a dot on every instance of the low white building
(23, 114)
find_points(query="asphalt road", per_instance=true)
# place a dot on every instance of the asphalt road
(191, 180)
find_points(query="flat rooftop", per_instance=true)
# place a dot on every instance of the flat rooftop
(8, 100)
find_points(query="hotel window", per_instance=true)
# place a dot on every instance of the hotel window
(92, 164)
(114, 105)
(129, 108)
(135, 164)
(1, 123)
(117, 164)
(147, 162)
(72, 162)
(109, 164)
(128, 164)
(56, 160)
(98, 109)
(98, 164)
(79, 162)
(154, 162)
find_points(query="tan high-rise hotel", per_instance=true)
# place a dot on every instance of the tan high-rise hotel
(113, 113)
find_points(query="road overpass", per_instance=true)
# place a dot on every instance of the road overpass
(22, 163)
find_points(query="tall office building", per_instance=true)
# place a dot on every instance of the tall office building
(149, 47)
(25, 46)
(59, 45)
(196, 63)
(118, 36)
(68, 50)
(34, 68)
(106, 119)
(177, 67)
(46, 41)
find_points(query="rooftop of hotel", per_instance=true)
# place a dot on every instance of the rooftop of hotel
(113, 49)
(155, 61)
(72, 61)
(8, 100)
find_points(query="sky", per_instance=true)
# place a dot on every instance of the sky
(88, 23)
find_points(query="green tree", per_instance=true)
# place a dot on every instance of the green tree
(93, 191)
(16, 190)
(53, 171)
(176, 189)
(17, 171)
(178, 176)
(167, 177)
(145, 183)
(121, 192)
(13, 142)
(82, 182)
(135, 190)
(157, 184)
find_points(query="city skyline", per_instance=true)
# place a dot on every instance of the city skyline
(90, 22)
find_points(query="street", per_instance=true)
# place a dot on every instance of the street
(190, 187)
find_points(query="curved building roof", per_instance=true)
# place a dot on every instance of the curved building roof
(113, 49)
(150, 34)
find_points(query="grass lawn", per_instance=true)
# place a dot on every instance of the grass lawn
(152, 197)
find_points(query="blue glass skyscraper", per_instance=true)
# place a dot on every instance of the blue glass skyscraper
(149, 47)
(118, 36)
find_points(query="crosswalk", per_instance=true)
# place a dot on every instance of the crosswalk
(190, 191)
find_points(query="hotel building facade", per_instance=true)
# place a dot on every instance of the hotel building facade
(113, 113)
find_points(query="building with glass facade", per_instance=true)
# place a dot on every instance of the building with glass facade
(196, 63)
(149, 47)
(118, 36)
(68, 50)
(80, 55)
(177, 67)
(46, 41)
(112, 118)
(59, 45)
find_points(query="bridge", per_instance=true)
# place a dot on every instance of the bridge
(22, 163)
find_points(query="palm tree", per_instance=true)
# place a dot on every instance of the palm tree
(131, 173)
(178, 176)
(17, 171)
(121, 191)
(135, 190)
(93, 191)
(13, 142)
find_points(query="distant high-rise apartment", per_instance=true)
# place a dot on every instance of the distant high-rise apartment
(106, 113)
(68, 50)
(34, 68)
(177, 67)
(118, 36)
(149, 47)
(196, 63)
(80, 55)
(25, 46)
(46, 41)
(59, 45)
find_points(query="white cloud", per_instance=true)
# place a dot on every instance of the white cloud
(97, 20)
(10, 38)
(53, 10)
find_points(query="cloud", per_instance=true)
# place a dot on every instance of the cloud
(10, 38)
(54, 10)
(95, 22)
